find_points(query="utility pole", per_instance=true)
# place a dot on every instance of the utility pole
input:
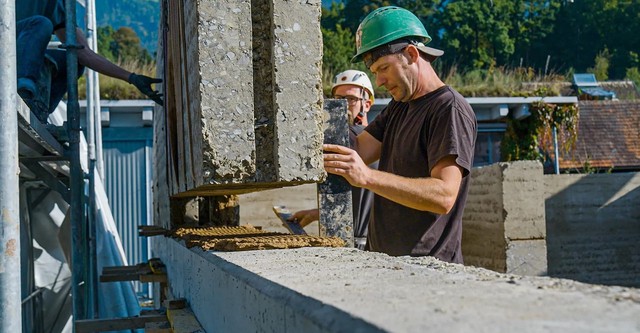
(10, 274)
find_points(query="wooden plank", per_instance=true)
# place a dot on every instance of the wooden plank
(116, 324)
(151, 278)
(120, 277)
(184, 321)
(175, 304)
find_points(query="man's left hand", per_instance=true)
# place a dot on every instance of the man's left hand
(143, 83)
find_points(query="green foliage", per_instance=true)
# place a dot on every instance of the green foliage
(633, 74)
(122, 47)
(143, 16)
(531, 138)
(122, 44)
(582, 29)
(601, 66)
(105, 38)
(481, 34)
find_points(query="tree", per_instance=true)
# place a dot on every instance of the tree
(126, 45)
(105, 38)
(583, 29)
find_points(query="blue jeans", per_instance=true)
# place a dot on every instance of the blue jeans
(32, 37)
(46, 68)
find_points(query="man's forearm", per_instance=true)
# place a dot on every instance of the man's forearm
(426, 194)
(88, 58)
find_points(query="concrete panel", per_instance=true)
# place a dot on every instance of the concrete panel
(297, 75)
(224, 63)
(347, 290)
(593, 227)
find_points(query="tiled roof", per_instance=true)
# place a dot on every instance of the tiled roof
(608, 136)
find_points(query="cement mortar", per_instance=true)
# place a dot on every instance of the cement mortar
(405, 294)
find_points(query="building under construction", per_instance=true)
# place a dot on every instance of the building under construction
(241, 129)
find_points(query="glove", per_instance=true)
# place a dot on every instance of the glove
(143, 83)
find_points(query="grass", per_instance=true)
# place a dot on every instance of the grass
(493, 82)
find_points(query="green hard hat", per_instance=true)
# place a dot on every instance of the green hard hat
(385, 25)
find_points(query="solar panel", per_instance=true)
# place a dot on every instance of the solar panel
(585, 80)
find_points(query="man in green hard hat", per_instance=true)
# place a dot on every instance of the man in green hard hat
(424, 138)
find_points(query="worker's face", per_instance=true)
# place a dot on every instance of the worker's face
(353, 95)
(392, 71)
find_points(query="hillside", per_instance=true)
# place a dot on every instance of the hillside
(143, 16)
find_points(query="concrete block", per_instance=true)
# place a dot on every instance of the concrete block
(288, 85)
(297, 66)
(527, 257)
(504, 206)
(523, 190)
(335, 199)
(221, 70)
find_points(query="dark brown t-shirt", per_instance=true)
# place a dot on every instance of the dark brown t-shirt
(415, 136)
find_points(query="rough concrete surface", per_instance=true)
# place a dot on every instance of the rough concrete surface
(593, 225)
(226, 89)
(423, 294)
(330, 288)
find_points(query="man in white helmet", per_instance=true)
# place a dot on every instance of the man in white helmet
(356, 88)
(424, 138)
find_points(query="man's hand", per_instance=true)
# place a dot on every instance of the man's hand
(305, 217)
(345, 162)
(143, 83)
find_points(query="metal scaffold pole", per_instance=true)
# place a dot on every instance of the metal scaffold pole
(10, 279)
(78, 228)
(93, 103)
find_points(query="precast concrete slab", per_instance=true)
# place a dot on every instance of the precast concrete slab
(347, 290)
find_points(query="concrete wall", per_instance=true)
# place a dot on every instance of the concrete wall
(348, 290)
(593, 227)
(243, 99)
(503, 222)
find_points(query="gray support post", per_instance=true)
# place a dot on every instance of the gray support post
(335, 201)
(78, 239)
(10, 303)
(90, 130)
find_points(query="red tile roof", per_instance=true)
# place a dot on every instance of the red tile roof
(608, 136)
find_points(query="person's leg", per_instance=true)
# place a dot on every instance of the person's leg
(59, 77)
(32, 36)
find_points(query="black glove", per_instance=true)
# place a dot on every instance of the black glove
(143, 83)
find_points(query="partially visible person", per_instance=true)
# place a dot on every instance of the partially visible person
(36, 21)
(424, 138)
(356, 88)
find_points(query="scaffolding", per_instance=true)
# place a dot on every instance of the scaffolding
(27, 146)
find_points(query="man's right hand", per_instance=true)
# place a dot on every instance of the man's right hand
(305, 217)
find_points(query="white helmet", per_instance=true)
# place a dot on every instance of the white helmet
(356, 78)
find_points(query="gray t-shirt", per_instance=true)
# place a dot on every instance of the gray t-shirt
(51, 9)
(415, 136)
